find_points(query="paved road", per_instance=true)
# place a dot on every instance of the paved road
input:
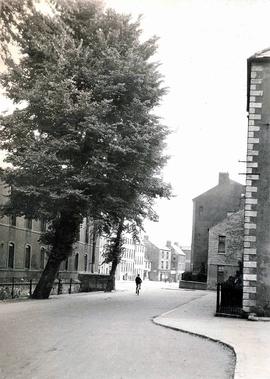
(101, 335)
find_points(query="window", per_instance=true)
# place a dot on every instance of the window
(12, 220)
(167, 255)
(66, 264)
(162, 264)
(28, 223)
(43, 225)
(42, 258)
(200, 211)
(221, 244)
(27, 258)
(86, 237)
(11, 255)
(167, 265)
(76, 262)
(85, 262)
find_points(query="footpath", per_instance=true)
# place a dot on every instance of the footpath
(250, 340)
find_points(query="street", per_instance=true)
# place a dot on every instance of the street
(106, 335)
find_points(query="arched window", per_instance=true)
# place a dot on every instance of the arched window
(85, 262)
(27, 261)
(76, 262)
(66, 264)
(11, 255)
(42, 258)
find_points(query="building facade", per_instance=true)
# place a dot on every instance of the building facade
(23, 256)
(256, 265)
(226, 248)
(209, 209)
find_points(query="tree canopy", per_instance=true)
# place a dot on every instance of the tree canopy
(85, 138)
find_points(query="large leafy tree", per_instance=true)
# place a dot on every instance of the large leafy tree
(85, 138)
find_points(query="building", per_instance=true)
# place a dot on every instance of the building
(226, 247)
(23, 256)
(187, 252)
(178, 261)
(256, 264)
(210, 208)
(152, 255)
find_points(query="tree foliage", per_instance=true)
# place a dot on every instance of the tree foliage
(85, 137)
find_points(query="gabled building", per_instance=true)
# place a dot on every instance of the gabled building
(210, 208)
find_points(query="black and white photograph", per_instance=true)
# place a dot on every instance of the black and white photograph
(134, 189)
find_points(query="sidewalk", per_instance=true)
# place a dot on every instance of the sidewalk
(249, 339)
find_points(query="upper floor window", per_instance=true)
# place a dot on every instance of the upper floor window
(12, 219)
(27, 259)
(43, 225)
(167, 255)
(28, 223)
(11, 255)
(200, 210)
(221, 244)
(162, 264)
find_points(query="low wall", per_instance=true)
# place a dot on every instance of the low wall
(93, 282)
(192, 285)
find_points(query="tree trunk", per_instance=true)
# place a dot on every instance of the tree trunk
(65, 229)
(116, 251)
(45, 284)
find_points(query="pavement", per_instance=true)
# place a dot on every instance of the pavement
(250, 340)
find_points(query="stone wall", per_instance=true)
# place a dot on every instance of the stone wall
(232, 228)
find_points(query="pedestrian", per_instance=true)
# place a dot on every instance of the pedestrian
(138, 282)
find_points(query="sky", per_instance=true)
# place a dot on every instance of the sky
(203, 50)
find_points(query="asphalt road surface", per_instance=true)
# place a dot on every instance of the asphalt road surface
(105, 335)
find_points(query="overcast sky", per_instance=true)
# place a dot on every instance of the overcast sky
(203, 49)
(204, 46)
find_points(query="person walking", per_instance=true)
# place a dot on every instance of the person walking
(138, 282)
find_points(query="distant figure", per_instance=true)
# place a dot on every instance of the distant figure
(138, 282)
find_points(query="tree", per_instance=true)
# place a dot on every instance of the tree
(86, 139)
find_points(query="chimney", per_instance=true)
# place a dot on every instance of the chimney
(223, 178)
(169, 244)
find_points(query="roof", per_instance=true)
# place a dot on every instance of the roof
(213, 189)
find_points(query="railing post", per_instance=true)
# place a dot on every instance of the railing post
(70, 284)
(30, 287)
(218, 297)
(12, 288)
(59, 287)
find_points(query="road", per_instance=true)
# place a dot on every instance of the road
(105, 335)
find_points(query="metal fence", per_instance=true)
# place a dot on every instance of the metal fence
(229, 299)
(14, 288)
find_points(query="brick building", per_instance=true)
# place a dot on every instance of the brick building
(210, 208)
(226, 247)
(256, 267)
